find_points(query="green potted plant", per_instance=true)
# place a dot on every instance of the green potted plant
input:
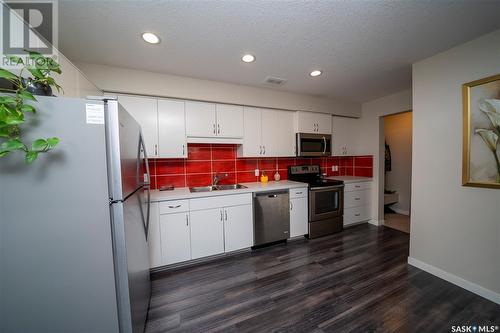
(16, 102)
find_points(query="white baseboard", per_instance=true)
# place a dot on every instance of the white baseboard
(376, 222)
(467, 285)
(400, 211)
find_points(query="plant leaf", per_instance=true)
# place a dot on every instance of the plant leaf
(7, 100)
(7, 75)
(31, 156)
(52, 142)
(28, 108)
(36, 73)
(27, 95)
(39, 145)
(10, 145)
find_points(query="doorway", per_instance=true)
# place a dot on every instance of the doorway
(397, 157)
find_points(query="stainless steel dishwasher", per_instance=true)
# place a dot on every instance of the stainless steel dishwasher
(271, 216)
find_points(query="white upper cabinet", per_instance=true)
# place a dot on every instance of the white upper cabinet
(208, 120)
(200, 119)
(144, 110)
(313, 122)
(345, 132)
(252, 137)
(171, 129)
(267, 132)
(229, 121)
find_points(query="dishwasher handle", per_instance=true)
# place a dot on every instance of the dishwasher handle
(270, 194)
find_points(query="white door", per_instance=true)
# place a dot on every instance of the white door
(252, 146)
(306, 122)
(171, 129)
(324, 123)
(284, 134)
(229, 121)
(175, 238)
(238, 227)
(270, 135)
(200, 119)
(207, 232)
(344, 136)
(298, 217)
(144, 110)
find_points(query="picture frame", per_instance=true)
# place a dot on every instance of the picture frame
(481, 133)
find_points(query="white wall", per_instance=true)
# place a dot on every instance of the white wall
(371, 142)
(455, 230)
(121, 80)
(398, 135)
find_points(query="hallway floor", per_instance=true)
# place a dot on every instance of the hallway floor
(397, 221)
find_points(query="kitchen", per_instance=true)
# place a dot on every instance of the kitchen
(217, 202)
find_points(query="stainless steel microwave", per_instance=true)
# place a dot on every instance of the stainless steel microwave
(313, 145)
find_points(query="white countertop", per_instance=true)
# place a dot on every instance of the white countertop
(351, 179)
(184, 193)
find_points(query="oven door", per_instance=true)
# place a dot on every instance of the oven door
(326, 202)
(314, 144)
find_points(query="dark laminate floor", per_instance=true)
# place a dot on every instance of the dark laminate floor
(355, 281)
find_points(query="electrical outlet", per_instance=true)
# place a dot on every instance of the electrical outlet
(146, 180)
(335, 168)
(257, 172)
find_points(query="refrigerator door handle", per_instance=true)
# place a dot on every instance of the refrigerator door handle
(145, 183)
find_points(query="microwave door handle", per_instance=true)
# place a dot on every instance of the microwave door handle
(324, 147)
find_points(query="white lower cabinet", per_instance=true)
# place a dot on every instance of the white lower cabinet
(207, 232)
(298, 212)
(238, 227)
(182, 230)
(357, 203)
(175, 238)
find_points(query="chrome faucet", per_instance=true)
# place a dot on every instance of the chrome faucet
(218, 177)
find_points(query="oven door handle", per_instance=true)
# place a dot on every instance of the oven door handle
(326, 188)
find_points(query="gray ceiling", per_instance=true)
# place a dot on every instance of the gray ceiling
(365, 48)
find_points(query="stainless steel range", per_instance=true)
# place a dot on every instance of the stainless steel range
(326, 200)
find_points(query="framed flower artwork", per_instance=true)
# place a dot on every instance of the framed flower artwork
(481, 133)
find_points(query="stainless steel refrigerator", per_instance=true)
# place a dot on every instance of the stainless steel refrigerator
(74, 224)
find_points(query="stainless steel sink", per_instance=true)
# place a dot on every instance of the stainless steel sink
(202, 189)
(216, 188)
(230, 187)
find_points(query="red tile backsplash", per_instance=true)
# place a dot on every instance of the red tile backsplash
(204, 160)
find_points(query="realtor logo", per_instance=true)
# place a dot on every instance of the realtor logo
(28, 25)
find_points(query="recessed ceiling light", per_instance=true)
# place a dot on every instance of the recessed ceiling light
(316, 73)
(248, 58)
(150, 38)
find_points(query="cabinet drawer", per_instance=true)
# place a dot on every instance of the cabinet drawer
(357, 186)
(298, 192)
(356, 198)
(356, 214)
(174, 206)
(220, 201)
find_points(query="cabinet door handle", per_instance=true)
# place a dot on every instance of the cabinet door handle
(187, 219)
(225, 214)
(218, 129)
(183, 150)
(358, 214)
(291, 205)
(298, 192)
(174, 206)
(156, 150)
(264, 150)
(214, 127)
(260, 152)
(221, 216)
(357, 186)
(357, 198)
